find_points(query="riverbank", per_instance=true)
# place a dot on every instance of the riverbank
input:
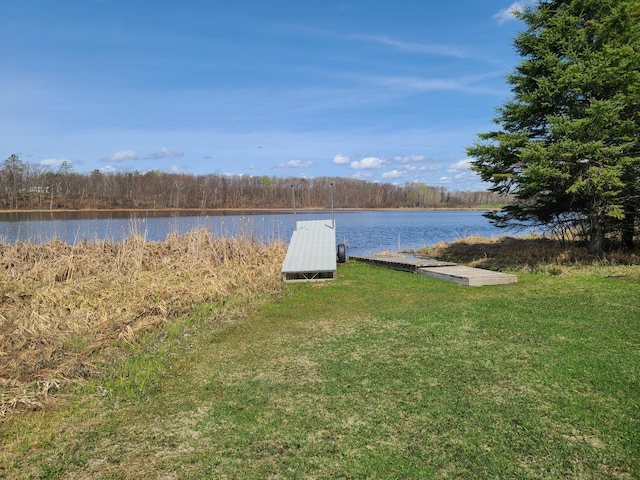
(68, 311)
(379, 374)
(531, 253)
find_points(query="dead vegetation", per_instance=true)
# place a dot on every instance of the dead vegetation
(63, 307)
(532, 253)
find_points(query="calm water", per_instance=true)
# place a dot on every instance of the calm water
(364, 232)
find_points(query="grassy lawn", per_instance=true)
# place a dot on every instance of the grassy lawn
(380, 374)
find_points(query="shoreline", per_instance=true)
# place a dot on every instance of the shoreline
(273, 210)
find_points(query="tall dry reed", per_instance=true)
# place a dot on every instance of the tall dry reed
(530, 253)
(62, 305)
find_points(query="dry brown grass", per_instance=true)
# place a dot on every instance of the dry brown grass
(62, 307)
(532, 253)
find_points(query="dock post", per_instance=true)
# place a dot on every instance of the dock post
(293, 193)
(333, 220)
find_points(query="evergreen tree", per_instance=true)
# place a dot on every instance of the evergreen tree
(569, 144)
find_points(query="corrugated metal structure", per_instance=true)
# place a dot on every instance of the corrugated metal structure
(311, 255)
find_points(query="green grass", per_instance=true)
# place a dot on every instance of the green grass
(380, 374)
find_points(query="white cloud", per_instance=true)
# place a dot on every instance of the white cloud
(166, 153)
(178, 169)
(122, 156)
(295, 164)
(53, 162)
(393, 174)
(425, 48)
(460, 177)
(410, 159)
(507, 14)
(416, 172)
(432, 49)
(464, 83)
(416, 83)
(422, 171)
(109, 169)
(368, 163)
(461, 165)
(341, 159)
(362, 175)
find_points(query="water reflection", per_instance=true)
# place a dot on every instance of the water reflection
(364, 232)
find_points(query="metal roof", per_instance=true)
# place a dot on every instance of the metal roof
(312, 252)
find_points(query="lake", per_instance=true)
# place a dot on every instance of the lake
(364, 232)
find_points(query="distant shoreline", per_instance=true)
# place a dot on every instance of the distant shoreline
(272, 210)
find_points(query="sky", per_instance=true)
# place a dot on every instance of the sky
(378, 90)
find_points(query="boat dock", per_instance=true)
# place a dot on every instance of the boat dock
(311, 255)
(406, 264)
(462, 275)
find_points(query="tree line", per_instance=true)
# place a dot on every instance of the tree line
(33, 186)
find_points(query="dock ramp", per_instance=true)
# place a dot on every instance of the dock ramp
(451, 272)
(311, 255)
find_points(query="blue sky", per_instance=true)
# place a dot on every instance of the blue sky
(379, 90)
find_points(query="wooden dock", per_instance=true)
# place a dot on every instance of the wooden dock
(451, 272)
(469, 276)
(406, 264)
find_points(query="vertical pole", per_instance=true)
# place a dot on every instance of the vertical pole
(293, 193)
(333, 221)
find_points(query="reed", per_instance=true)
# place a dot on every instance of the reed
(63, 308)
(531, 253)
